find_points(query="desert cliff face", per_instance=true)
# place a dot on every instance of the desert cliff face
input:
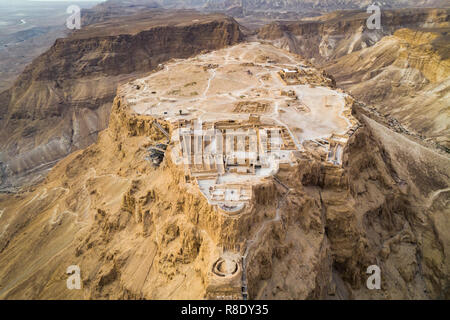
(139, 231)
(63, 99)
(142, 242)
(403, 219)
(408, 75)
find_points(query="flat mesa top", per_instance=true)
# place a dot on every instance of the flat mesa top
(232, 83)
(244, 86)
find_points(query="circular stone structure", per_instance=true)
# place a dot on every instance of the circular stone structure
(225, 267)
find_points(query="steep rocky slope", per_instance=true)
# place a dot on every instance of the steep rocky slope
(257, 13)
(374, 211)
(28, 29)
(137, 231)
(324, 5)
(334, 35)
(63, 99)
(406, 225)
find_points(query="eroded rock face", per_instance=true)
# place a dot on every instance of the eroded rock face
(334, 35)
(312, 5)
(63, 99)
(332, 233)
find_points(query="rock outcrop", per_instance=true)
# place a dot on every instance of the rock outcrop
(400, 70)
(337, 34)
(312, 5)
(138, 231)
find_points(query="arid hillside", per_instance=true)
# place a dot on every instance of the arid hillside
(401, 70)
(28, 29)
(63, 99)
(405, 76)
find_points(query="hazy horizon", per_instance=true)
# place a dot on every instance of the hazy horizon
(16, 3)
